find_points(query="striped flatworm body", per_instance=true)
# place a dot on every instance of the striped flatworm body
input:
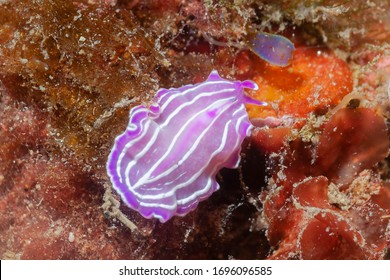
(167, 159)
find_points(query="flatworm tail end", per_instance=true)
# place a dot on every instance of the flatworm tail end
(112, 170)
(138, 117)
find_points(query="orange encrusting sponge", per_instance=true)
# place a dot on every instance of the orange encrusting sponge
(315, 80)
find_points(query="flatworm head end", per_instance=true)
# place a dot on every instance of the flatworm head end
(247, 99)
(240, 85)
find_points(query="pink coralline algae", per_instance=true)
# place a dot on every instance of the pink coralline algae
(166, 161)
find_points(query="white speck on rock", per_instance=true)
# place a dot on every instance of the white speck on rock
(71, 237)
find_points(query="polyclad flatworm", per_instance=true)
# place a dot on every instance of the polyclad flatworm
(167, 159)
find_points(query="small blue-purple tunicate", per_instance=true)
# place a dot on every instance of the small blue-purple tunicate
(167, 159)
(275, 49)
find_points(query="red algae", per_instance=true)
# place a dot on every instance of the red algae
(319, 205)
(353, 140)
